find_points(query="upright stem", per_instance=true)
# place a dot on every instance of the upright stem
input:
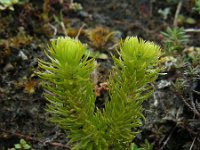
(177, 13)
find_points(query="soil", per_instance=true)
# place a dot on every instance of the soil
(25, 32)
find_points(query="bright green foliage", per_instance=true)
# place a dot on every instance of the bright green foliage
(146, 146)
(72, 100)
(135, 147)
(8, 4)
(175, 38)
(197, 6)
(22, 145)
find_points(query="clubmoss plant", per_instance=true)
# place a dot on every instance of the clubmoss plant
(66, 77)
(175, 39)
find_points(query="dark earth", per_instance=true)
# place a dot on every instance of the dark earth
(172, 113)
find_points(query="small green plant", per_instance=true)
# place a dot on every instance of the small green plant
(22, 145)
(145, 146)
(135, 147)
(197, 6)
(71, 97)
(175, 38)
(75, 6)
(8, 4)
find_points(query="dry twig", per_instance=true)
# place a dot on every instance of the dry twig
(54, 29)
(192, 30)
(177, 13)
(168, 138)
(192, 143)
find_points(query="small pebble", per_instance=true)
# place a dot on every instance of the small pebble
(22, 55)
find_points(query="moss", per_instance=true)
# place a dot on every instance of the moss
(71, 98)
